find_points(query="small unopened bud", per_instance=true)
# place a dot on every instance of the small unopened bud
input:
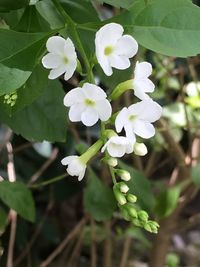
(132, 211)
(119, 196)
(131, 198)
(124, 175)
(14, 97)
(125, 213)
(112, 162)
(153, 226)
(140, 149)
(143, 215)
(137, 222)
(123, 187)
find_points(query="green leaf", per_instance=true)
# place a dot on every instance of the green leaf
(168, 27)
(196, 175)
(47, 10)
(44, 119)
(140, 186)
(99, 200)
(167, 201)
(118, 3)
(32, 21)
(19, 198)
(7, 5)
(3, 219)
(26, 50)
(11, 79)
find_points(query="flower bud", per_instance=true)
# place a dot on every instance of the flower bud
(153, 226)
(143, 216)
(124, 175)
(140, 149)
(131, 211)
(118, 195)
(137, 222)
(112, 162)
(123, 187)
(125, 213)
(131, 198)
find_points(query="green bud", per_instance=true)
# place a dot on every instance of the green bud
(123, 187)
(147, 227)
(131, 198)
(124, 175)
(12, 104)
(143, 216)
(112, 162)
(8, 101)
(154, 226)
(137, 222)
(121, 88)
(125, 213)
(140, 149)
(14, 97)
(6, 96)
(118, 195)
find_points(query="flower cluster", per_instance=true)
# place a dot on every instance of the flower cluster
(89, 103)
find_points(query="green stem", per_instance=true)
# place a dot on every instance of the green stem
(112, 172)
(91, 152)
(50, 181)
(74, 34)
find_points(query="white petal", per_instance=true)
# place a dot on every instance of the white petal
(109, 34)
(151, 111)
(74, 96)
(126, 46)
(143, 70)
(129, 147)
(55, 44)
(55, 73)
(81, 175)
(116, 151)
(76, 111)
(51, 61)
(69, 49)
(104, 109)
(129, 132)
(119, 62)
(144, 129)
(93, 91)
(89, 117)
(70, 69)
(67, 160)
(121, 119)
(142, 86)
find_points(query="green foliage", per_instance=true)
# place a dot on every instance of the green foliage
(99, 200)
(172, 260)
(17, 197)
(196, 175)
(167, 201)
(140, 186)
(118, 3)
(167, 27)
(7, 5)
(3, 219)
(44, 119)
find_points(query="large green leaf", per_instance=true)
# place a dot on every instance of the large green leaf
(7, 5)
(99, 200)
(21, 50)
(140, 186)
(170, 27)
(44, 119)
(167, 201)
(18, 197)
(11, 79)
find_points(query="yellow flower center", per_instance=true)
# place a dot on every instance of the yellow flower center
(89, 102)
(108, 50)
(132, 117)
(65, 59)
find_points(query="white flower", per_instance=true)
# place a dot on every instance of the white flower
(141, 83)
(117, 146)
(61, 58)
(88, 104)
(137, 119)
(140, 149)
(113, 49)
(75, 166)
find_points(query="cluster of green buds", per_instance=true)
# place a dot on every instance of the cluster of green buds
(127, 204)
(10, 99)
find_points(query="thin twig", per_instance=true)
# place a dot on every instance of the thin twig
(47, 163)
(93, 245)
(12, 213)
(125, 252)
(63, 244)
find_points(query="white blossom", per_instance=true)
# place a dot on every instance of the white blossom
(113, 49)
(137, 119)
(61, 58)
(88, 104)
(117, 146)
(75, 166)
(141, 83)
